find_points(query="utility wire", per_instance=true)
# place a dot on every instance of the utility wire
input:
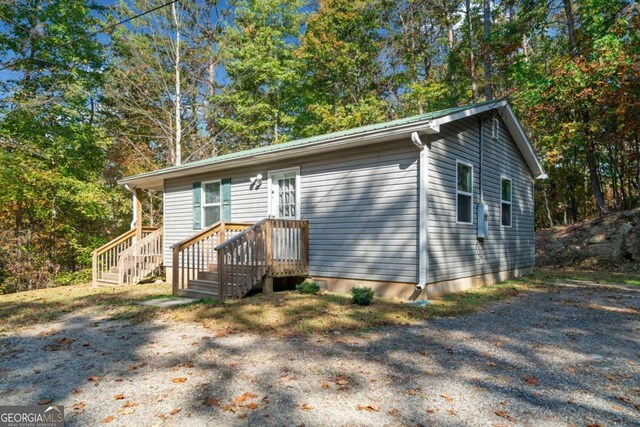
(99, 30)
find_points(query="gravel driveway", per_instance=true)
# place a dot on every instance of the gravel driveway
(567, 355)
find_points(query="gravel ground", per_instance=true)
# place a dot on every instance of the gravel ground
(567, 355)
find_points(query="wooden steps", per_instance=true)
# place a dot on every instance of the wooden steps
(200, 288)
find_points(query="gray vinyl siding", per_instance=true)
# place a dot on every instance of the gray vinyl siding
(454, 251)
(362, 207)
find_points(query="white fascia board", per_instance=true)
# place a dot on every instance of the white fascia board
(521, 140)
(468, 113)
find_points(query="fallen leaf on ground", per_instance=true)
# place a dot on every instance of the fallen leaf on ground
(394, 412)
(430, 411)
(93, 379)
(179, 380)
(108, 419)
(452, 412)
(175, 411)
(126, 411)
(503, 414)
(531, 380)
(325, 386)
(341, 380)
(306, 407)
(77, 391)
(251, 405)
(370, 408)
(245, 396)
(491, 364)
(447, 398)
(211, 401)
(44, 401)
(242, 416)
(129, 404)
(79, 406)
(60, 344)
(625, 399)
(118, 396)
(611, 377)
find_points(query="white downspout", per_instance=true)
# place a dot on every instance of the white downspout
(134, 203)
(423, 234)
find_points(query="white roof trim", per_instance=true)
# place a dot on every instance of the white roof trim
(521, 140)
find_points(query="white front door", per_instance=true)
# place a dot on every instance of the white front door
(284, 203)
(284, 197)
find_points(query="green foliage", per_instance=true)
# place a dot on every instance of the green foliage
(362, 295)
(65, 278)
(308, 287)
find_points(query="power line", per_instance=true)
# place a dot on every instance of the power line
(100, 30)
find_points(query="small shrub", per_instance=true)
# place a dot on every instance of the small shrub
(308, 287)
(362, 296)
(65, 278)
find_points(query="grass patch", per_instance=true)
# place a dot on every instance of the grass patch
(568, 275)
(281, 313)
(292, 313)
(44, 305)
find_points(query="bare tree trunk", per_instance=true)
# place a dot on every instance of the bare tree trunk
(546, 205)
(472, 61)
(571, 27)
(488, 86)
(638, 167)
(594, 178)
(451, 37)
(178, 102)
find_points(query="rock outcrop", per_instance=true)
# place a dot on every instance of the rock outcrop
(609, 240)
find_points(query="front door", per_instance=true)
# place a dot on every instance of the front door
(284, 197)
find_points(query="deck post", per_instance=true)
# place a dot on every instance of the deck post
(137, 206)
(94, 269)
(267, 285)
(175, 276)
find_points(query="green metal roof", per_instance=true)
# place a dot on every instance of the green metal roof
(310, 140)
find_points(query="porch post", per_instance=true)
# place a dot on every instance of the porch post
(137, 213)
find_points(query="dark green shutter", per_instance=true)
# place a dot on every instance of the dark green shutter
(226, 199)
(197, 212)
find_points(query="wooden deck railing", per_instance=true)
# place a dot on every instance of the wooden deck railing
(198, 253)
(269, 248)
(141, 258)
(105, 258)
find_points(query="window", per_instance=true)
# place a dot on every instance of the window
(464, 193)
(505, 205)
(210, 203)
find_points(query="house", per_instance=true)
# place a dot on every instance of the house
(414, 207)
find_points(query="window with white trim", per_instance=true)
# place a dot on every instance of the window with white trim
(505, 202)
(464, 192)
(211, 203)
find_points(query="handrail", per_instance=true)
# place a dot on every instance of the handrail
(105, 258)
(124, 236)
(189, 241)
(239, 236)
(270, 248)
(141, 258)
(195, 253)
